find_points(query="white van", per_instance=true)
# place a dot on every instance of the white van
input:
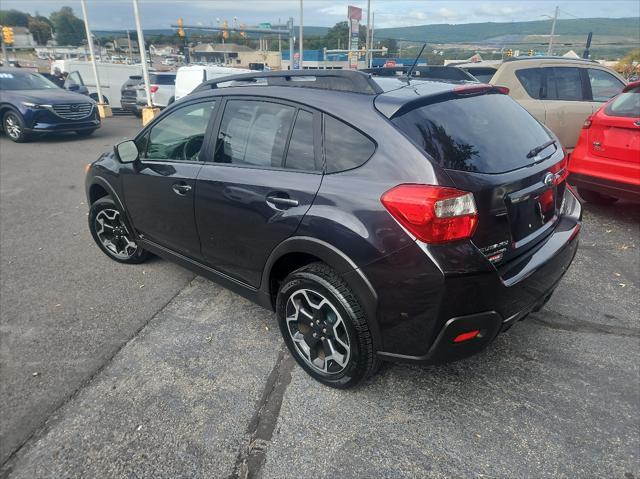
(188, 78)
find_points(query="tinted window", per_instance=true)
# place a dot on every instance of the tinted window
(532, 81)
(254, 133)
(603, 85)
(179, 136)
(24, 81)
(486, 134)
(344, 147)
(564, 83)
(162, 79)
(300, 155)
(627, 105)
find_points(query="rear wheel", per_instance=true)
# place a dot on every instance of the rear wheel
(112, 235)
(13, 125)
(324, 327)
(596, 198)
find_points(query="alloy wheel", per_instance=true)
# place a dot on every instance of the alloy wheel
(114, 235)
(318, 331)
(12, 127)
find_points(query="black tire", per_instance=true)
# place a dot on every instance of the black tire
(13, 126)
(106, 208)
(86, 132)
(320, 282)
(94, 97)
(596, 198)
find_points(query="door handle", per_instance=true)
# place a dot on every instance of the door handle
(280, 202)
(181, 188)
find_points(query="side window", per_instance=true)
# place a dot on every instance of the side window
(603, 85)
(254, 133)
(564, 83)
(179, 136)
(344, 147)
(301, 154)
(532, 81)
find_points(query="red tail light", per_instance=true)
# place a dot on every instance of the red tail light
(153, 88)
(502, 89)
(587, 123)
(560, 170)
(466, 336)
(471, 89)
(433, 214)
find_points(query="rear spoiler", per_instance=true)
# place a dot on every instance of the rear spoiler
(631, 86)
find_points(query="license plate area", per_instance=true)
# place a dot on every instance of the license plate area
(530, 211)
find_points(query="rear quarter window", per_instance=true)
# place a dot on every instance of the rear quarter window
(488, 133)
(345, 147)
(532, 81)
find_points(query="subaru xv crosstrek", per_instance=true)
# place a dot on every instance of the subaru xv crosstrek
(380, 218)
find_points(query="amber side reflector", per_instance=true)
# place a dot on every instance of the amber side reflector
(87, 167)
(466, 336)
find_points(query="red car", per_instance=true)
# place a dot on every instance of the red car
(605, 165)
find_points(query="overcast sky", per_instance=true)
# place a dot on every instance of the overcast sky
(118, 14)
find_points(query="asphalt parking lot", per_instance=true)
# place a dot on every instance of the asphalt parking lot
(110, 370)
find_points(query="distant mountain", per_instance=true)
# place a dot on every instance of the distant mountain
(479, 32)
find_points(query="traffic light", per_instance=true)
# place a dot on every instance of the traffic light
(225, 32)
(7, 35)
(509, 52)
(180, 29)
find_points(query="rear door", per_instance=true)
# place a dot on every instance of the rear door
(566, 103)
(260, 179)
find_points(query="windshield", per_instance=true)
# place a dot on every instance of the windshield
(486, 133)
(626, 104)
(24, 81)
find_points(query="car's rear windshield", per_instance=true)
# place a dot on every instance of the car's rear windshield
(626, 104)
(162, 79)
(24, 81)
(488, 133)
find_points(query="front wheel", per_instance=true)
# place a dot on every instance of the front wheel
(112, 235)
(596, 198)
(13, 125)
(324, 327)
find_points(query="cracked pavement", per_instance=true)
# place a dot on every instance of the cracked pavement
(182, 378)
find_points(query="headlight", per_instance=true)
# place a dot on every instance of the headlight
(28, 104)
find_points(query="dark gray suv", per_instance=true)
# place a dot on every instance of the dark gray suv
(381, 218)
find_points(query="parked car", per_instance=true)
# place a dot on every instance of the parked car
(483, 71)
(560, 92)
(30, 104)
(438, 72)
(128, 94)
(381, 219)
(605, 165)
(162, 87)
(189, 77)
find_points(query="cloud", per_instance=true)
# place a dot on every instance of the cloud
(493, 10)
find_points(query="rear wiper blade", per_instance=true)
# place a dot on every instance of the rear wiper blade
(540, 148)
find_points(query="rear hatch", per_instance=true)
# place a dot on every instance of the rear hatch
(614, 131)
(489, 145)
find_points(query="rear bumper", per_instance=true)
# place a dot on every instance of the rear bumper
(605, 186)
(441, 297)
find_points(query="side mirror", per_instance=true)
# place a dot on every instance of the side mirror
(127, 151)
(73, 87)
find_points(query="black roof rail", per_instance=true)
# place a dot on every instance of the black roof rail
(339, 80)
(548, 57)
(435, 72)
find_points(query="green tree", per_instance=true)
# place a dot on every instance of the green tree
(338, 36)
(68, 28)
(14, 18)
(41, 28)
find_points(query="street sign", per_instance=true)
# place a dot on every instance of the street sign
(265, 25)
(355, 15)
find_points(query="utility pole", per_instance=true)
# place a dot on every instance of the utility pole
(373, 22)
(280, 39)
(148, 113)
(130, 48)
(368, 39)
(291, 42)
(553, 30)
(103, 109)
(301, 34)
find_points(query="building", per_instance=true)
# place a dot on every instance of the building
(233, 54)
(22, 38)
(316, 59)
(121, 45)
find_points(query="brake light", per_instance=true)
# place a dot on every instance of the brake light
(502, 89)
(471, 89)
(587, 123)
(153, 88)
(433, 214)
(560, 170)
